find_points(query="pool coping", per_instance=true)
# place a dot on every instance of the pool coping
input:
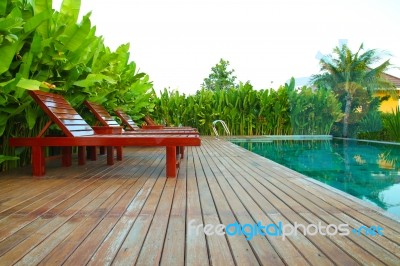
(267, 138)
(371, 141)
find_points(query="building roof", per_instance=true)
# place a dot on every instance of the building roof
(393, 79)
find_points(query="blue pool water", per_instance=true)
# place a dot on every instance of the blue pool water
(367, 170)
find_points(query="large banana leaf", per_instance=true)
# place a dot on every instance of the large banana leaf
(92, 79)
(34, 22)
(70, 8)
(42, 8)
(75, 35)
(29, 84)
(7, 53)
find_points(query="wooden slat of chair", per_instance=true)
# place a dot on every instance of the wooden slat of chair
(101, 114)
(127, 120)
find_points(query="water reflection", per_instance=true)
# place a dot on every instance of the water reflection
(369, 171)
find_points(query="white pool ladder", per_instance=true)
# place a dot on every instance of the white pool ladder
(227, 132)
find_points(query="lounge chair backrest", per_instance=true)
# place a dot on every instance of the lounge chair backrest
(101, 114)
(62, 114)
(149, 121)
(127, 120)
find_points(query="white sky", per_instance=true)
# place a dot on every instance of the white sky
(177, 42)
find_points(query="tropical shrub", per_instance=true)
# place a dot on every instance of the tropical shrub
(370, 127)
(391, 124)
(245, 110)
(250, 112)
(313, 112)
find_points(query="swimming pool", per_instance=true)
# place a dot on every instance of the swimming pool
(367, 170)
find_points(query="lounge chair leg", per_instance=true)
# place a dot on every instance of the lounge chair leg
(66, 156)
(102, 150)
(171, 161)
(92, 155)
(81, 155)
(38, 162)
(182, 151)
(119, 153)
(110, 155)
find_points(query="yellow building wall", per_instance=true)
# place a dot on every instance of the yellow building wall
(390, 104)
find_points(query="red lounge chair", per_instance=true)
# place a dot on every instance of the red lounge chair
(78, 133)
(106, 120)
(131, 125)
(150, 123)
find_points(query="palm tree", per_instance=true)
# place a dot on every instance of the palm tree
(348, 72)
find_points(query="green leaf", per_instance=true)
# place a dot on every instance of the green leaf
(3, 99)
(3, 7)
(31, 116)
(39, 7)
(75, 35)
(4, 158)
(9, 23)
(35, 21)
(91, 79)
(3, 123)
(36, 45)
(7, 53)
(70, 8)
(29, 84)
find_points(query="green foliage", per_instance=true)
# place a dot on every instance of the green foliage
(44, 49)
(250, 112)
(392, 125)
(245, 110)
(370, 127)
(348, 74)
(313, 112)
(220, 77)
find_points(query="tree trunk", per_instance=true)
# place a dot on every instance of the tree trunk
(347, 110)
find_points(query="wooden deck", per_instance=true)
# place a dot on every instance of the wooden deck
(130, 213)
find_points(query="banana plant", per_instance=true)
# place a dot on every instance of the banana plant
(45, 49)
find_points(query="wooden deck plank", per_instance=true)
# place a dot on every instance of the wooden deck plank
(218, 247)
(173, 252)
(152, 247)
(196, 251)
(250, 213)
(32, 204)
(65, 226)
(108, 249)
(90, 244)
(37, 237)
(245, 253)
(132, 244)
(45, 222)
(131, 214)
(62, 251)
(16, 221)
